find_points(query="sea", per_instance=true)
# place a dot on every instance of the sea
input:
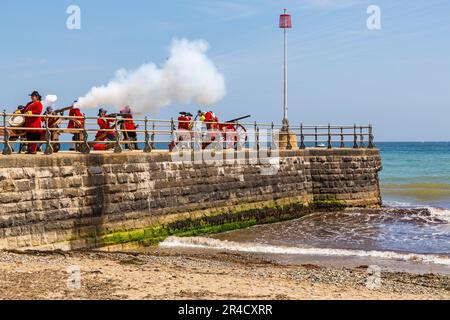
(411, 232)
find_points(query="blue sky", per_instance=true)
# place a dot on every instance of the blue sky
(397, 78)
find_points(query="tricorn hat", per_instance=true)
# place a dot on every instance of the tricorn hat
(35, 94)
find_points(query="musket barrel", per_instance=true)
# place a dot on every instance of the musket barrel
(238, 119)
(63, 109)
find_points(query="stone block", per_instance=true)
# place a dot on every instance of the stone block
(95, 170)
(76, 181)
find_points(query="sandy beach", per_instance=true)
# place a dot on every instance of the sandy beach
(166, 274)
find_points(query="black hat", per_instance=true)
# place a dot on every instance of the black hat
(35, 94)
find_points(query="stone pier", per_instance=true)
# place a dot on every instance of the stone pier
(71, 201)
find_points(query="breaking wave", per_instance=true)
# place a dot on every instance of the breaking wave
(441, 214)
(433, 212)
(215, 244)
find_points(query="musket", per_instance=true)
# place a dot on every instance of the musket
(62, 110)
(238, 119)
(54, 122)
(115, 115)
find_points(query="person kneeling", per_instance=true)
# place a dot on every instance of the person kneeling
(105, 133)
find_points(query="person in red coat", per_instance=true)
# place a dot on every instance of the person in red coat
(212, 124)
(184, 121)
(211, 120)
(104, 124)
(76, 124)
(34, 107)
(129, 126)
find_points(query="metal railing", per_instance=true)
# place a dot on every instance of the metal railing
(153, 134)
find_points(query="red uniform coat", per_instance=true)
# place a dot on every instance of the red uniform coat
(184, 123)
(211, 121)
(33, 122)
(128, 123)
(105, 125)
(75, 112)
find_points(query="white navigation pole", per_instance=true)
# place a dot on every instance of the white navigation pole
(285, 23)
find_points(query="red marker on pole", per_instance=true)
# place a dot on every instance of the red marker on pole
(285, 23)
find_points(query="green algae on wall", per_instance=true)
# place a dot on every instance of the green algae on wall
(217, 223)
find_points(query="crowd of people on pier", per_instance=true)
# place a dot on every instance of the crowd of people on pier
(33, 124)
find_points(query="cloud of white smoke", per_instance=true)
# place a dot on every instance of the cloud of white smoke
(188, 76)
(49, 100)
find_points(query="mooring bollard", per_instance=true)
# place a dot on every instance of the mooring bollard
(147, 147)
(355, 138)
(118, 146)
(7, 150)
(48, 138)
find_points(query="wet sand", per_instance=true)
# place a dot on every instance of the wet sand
(170, 274)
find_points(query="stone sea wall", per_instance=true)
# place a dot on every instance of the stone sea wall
(71, 201)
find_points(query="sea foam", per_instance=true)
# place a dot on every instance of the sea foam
(215, 244)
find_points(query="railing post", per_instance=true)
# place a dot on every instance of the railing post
(257, 140)
(85, 149)
(342, 138)
(371, 145)
(274, 142)
(255, 128)
(7, 150)
(361, 138)
(153, 136)
(172, 132)
(147, 147)
(316, 143)
(48, 138)
(329, 137)
(118, 146)
(302, 137)
(355, 138)
(288, 145)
